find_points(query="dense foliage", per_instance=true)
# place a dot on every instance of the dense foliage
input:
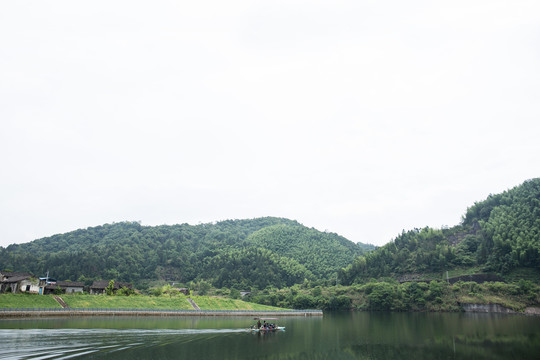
(254, 267)
(496, 235)
(510, 227)
(499, 235)
(308, 246)
(232, 253)
(409, 296)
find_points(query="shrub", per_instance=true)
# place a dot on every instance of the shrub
(382, 297)
(156, 291)
(435, 290)
(125, 291)
(303, 301)
(340, 302)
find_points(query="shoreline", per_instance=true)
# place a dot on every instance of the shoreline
(8, 313)
(68, 312)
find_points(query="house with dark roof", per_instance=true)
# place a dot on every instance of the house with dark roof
(45, 282)
(11, 281)
(51, 286)
(6, 275)
(184, 291)
(100, 287)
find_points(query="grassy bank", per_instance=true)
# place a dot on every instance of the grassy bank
(216, 303)
(80, 301)
(435, 296)
(126, 302)
(27, 301)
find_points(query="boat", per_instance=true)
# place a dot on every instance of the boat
(266, 325)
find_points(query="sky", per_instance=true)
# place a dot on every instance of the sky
(362, 118)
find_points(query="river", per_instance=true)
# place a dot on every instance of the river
(358, 335)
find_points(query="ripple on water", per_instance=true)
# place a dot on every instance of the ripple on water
(72, 343)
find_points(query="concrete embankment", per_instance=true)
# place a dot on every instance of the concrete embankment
(487, 308)
(498, 309)
(4, 313)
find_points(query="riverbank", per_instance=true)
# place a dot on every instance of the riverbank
(435, 296)
(33, 305)
(16, 313)
(136, 302)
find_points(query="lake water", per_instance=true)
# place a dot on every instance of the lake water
(358, 335)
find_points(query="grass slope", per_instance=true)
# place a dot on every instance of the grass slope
(216, 303)
(127, 302)
(27, 301)
(178, 302)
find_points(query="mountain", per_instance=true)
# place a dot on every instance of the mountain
(233, 253)
(499, 234)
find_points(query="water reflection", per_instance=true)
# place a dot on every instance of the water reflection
(335, 336)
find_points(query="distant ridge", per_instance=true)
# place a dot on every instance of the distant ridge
(232, 253)
(498, 235)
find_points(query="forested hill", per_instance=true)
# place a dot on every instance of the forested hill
(498, 235)
(233, 253)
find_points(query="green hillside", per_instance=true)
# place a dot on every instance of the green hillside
(498, 235)
(325, 253)
(232, 253)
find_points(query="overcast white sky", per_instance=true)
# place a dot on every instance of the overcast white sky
(362, 118)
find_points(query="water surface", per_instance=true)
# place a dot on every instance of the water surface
(334, 336)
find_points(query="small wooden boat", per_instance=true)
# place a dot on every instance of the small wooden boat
(266, 325)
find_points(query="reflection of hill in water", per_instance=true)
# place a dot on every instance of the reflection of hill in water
(516, 346)
(334, 336)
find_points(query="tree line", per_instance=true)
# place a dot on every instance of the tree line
(496, 235)
(233, 253)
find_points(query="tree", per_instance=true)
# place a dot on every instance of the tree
(110, 288)
(235, 293)
(125, 291)
(203, 287)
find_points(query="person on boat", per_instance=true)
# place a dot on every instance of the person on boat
(259, 324)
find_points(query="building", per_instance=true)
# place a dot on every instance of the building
(46, 282)
(14, 282)
(71, 287)
(184, 291)
(50, 286)
(11, 281)
(100, 287)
